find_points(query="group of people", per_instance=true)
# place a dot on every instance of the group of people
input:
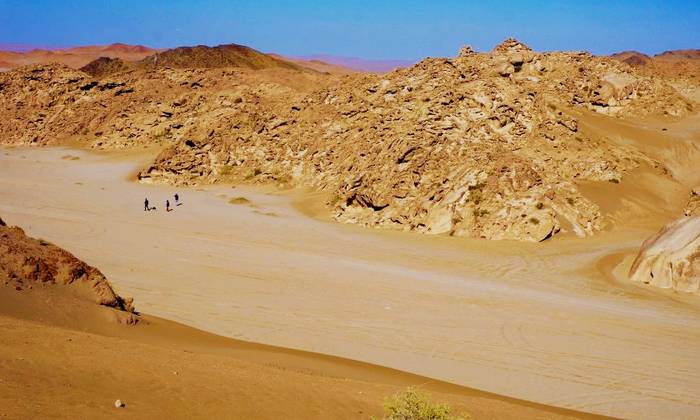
(147, 207)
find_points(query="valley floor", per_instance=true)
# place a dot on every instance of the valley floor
(549, 322)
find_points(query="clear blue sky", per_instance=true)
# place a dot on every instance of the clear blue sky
(391, 29)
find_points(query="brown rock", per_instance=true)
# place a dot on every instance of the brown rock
(25, 261)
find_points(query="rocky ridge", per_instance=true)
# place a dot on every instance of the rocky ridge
(53, 104)
(484, 145)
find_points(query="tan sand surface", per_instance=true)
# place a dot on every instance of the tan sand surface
(542, 322)
(63, 357)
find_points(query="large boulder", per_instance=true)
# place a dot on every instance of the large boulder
(671, 258)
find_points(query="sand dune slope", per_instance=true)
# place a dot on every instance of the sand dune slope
(64, 355)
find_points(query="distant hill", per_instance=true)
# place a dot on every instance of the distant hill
(198, 57)
(228, 55)
(676, 65)
(633, 58)
(361, 64)
(317, 65)
(74, 57)
(687, 54)
(104, 66)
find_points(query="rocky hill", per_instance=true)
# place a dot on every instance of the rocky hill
(201, 56)
(633, 58)
(75, 57)
(692, 54)
(485, 144)
(26, 263)
(52, 104)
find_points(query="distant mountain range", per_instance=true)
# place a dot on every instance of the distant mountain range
(16, 55)
(361, 64)
(233, 55)
(72, 57)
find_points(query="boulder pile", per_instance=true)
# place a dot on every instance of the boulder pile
(484, 145)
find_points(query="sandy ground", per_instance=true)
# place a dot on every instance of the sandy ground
(543, 322)
(65, 357)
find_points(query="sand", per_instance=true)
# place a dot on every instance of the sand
(62, 357)
(542, 322)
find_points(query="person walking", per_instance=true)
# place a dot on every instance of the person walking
(177, 199)
(167, 205)
(145, 205)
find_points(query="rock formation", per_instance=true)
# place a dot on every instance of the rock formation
(26, 263)
(693, 206)
(484, 145)
(671, 258)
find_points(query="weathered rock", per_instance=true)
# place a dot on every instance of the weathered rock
(671, 258)
(466, 51)
(693, 206)
(447, 146)
(505, 69)
(26, 262)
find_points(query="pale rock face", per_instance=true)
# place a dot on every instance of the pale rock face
(671, 258)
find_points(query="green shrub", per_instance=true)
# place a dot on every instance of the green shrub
(239, 200)
(414, 405)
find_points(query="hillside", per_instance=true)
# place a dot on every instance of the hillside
(202, 57)
(485, 145)
(633, 58)
(228, 55)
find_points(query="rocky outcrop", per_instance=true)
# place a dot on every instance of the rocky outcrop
(26, 263)
(484, 145)
(693, 206)
(671, 258)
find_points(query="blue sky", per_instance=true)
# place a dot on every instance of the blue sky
(407, 29)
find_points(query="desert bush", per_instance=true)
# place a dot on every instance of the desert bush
(239, 200)
(415, 405)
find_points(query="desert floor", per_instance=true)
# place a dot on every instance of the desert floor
(553, 323)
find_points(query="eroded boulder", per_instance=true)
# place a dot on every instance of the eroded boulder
(671, 258)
